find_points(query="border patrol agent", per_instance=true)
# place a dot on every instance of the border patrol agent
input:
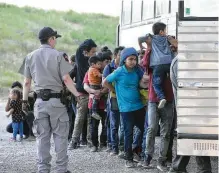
(47, 67)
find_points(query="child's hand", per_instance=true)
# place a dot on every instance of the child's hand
(144, 81)
(145, 77)
(96, 92)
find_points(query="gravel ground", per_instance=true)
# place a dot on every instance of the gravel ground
(21, 157)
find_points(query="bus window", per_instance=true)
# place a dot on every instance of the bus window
(136, 10)
(174, 6)
(162, 7)
(126, 13)
(148, 9)
(201, 8)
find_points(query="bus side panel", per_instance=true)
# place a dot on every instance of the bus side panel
(197, 147)
(197, 94)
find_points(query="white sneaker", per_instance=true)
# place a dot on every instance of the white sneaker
(162, 167)
(136, 158)
(162, 103)
(113, 153)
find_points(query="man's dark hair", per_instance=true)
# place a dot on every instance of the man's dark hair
(44, 41)
(16, 84)
(117, 49)
(105, 54)
(157, 27)
(105, 49)
(94, 60)
(87, 45)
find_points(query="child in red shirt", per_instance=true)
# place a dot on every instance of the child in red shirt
(95, 79)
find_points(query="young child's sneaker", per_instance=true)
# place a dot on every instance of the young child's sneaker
(96, 116)
(162, 103)
(20, 139)
(12, 139)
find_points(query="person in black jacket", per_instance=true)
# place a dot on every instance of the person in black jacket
(85, 50)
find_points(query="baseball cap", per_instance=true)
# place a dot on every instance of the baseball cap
(47, 32)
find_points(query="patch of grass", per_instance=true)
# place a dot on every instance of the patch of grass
(20, 26)
(7, 77)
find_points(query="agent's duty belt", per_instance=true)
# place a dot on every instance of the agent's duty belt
(52, 95)
(47, 94)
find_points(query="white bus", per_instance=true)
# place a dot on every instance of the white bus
(195, 25)
(138, 16)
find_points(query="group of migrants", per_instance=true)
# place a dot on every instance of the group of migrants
(130, 92)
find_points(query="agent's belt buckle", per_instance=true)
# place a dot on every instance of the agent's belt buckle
(45, 94)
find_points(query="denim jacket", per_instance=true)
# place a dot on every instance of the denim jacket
(160, 53)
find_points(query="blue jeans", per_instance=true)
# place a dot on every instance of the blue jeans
(121, 134)
(136, 145)
(165, 116)
(114, 127)
(17, 127)
(159, 73)
(74, 108)
(131, 119)
(108, 126)
(137, 134)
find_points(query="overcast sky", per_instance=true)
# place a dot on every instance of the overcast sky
(109, 7)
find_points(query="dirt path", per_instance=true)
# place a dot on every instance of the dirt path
(21, 157)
